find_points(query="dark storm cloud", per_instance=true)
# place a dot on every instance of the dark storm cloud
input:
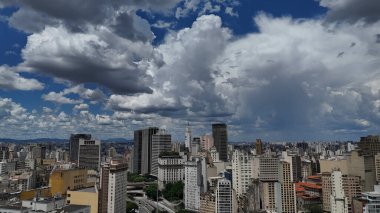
(352, 10)
(132, 27)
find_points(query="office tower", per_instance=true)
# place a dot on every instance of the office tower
(219, 133)
(146, 149)
(351, 187)
(369, 145)
(87, 196)
(171, 169)
(207, 203)
(288, 197)
(71, 179)
(188, 137)
(137, 147)
(338, 200)
(74, 145)
(195, 182)
(206, 142)
(113, 192)
(89, 154)
(242, 165)
(268, 168)
(259, 147)
(223, 195)
(270, 188)
(161, 142)
(296, 168)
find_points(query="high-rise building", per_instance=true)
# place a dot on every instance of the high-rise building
(113, 192)
(195, 145)
(146, 149)
(268, 168)
(195, 182)
(74, 145)
(338, 200)
(137, 147)
(89, 154)
(161, 142)
(242, 166)
(223, 195)
(351, 188)
(219, 134)
(188, 137)
(369, 145)
(353, 164)
(207, 142)
(288, 194)
(259, 147)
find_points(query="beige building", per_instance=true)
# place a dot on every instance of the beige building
(207, 203)
(87, 197)
(71, 179)
(351, 188)
(288, 197)
(355, 165)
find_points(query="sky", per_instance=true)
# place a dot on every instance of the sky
(278, 70)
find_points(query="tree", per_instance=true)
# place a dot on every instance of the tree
(173, 191)
(315, 208)
(151, 191)
(132, 207)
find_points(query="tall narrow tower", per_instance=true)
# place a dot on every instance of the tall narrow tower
(219, 133)
(188, 137)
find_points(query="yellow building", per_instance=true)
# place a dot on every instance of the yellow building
(30, 194)
(71, 179)
(87, 196)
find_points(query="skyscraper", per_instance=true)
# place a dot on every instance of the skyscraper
(113, 187)
(288, 194)
(259, 147)
(89, 154)
(195, 182)
(146, 149)
(137, 146)
(74, 145)
(219, 133)
(242, 165)
(188, 137)
(161, 142)
(338, 200)
(223, 196)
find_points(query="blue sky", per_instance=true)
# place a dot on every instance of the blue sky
(278, 70)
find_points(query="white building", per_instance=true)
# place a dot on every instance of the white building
(338, 200)
(214, 154)
(170, 169)
(371, 200)
(195, 182)
(242, 171)
(223, 196)
(114, 183)
(188, 137)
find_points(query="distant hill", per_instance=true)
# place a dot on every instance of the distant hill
(58, 140)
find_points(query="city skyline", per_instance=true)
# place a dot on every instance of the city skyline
(279, 71)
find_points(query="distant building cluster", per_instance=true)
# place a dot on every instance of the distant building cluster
(203, 173)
